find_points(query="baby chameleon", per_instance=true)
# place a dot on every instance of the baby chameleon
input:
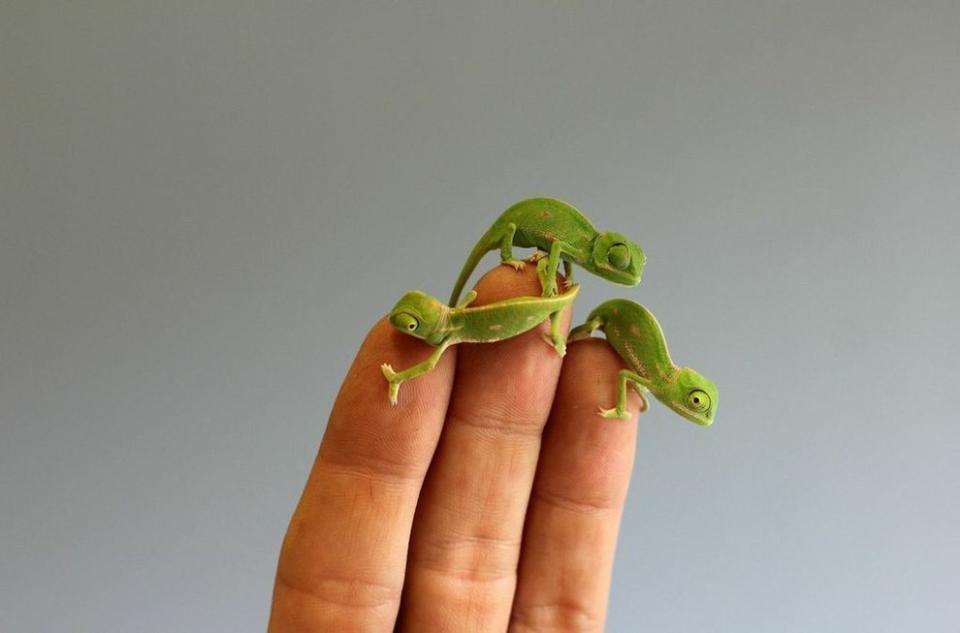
(563, 233)
(636, 335)
(427, 318)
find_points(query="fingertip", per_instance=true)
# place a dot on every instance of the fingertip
(592, 369)
(503, 282)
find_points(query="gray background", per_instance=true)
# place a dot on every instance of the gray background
(206, 204)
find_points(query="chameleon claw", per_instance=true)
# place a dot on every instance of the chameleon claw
(559, 345)
(537, 256)
(391, 377)
(614, 414)
(517, 264)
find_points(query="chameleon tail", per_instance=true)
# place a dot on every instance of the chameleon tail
(482, 248)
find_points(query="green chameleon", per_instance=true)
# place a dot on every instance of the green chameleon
(563, 233)
(427, 318)
(636, 335)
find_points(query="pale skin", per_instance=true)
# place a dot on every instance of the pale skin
(563, 233)
(486, 503)
(424, 317)
(633, 331)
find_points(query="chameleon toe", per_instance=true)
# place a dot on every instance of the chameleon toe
(388, 371)
(613, 414)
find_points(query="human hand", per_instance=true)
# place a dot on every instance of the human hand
(487, 503)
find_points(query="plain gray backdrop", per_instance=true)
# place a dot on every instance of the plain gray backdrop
(205, 205)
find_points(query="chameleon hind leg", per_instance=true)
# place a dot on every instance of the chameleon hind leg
(536, 256)
(506, 248)
(397, 378)
(638, 383)
(567, 273)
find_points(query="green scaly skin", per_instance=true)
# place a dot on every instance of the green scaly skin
(563, 234)
(441, 326)
(636, 335)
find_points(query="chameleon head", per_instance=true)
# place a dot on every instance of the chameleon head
(694, 397)
(617, 259)
(418, 314)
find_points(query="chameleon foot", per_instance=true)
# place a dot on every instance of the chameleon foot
(391, 377)
(558, 344)
(516, 264)
(537, 256)
(614, 414)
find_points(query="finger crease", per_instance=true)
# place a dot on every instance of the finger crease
(499, 425)
(568, 616)
(584, 505)
(352, 593)
(373, 468)
(468, 574)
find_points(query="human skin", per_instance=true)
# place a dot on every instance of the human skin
(489, 503)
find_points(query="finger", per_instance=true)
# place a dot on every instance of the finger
(577, 499)
(465, 545)
(342, 561)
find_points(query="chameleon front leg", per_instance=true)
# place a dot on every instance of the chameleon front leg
(555, 337)
(468, 298)
(395, 379)
(638, 383)
(585, 330)
(548, 276)
(506, 248)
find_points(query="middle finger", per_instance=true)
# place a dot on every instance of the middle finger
(461, 572)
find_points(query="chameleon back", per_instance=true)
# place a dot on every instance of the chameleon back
(503, 319)
(636, 334)
(540, 220)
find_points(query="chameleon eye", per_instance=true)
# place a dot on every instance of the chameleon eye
(405, 321)
(699, 401)
(619, 256)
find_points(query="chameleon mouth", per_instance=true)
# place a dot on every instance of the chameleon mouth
(694, 416)
(622, 277)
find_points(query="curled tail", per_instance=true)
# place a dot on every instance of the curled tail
(482, 248)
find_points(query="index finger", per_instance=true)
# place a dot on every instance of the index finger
(342, 562)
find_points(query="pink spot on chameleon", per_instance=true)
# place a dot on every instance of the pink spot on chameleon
(635, 361)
